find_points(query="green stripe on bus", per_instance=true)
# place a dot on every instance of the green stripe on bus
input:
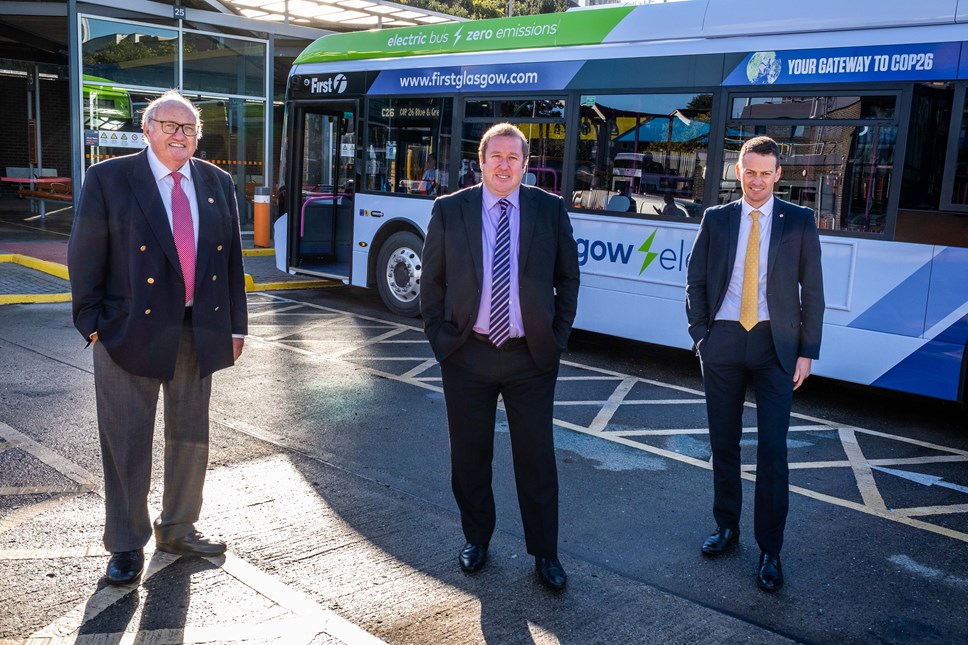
(520, 32)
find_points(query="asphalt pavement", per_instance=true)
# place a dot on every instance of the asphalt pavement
(328, 479)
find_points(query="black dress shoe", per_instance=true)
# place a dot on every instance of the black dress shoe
(770, 575)
(718, 542)
(550, 573)
(192, 544)
(472, 557)
(125, 567)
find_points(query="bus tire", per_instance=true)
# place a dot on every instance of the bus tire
(398, 270)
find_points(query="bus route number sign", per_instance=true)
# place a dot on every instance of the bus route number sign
(411, 112)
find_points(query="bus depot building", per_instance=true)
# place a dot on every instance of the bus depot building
(75, 77)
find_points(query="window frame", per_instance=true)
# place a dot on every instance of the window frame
(900, 120)
(713, 148)
(958, 107)
(369, 99)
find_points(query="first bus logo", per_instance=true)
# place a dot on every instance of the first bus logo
(333, 85)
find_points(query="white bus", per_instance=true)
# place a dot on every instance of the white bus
(635, 116)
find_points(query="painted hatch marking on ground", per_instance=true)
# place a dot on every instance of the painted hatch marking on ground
(400, 352)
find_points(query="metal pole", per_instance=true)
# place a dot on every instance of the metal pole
(40, 151)
(30, 116)
(510, 8)
(75, 82)
(268, 163)
(37, 140)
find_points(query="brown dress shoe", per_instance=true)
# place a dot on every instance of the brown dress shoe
(194, 544)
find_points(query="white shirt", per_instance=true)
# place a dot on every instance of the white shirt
(734, 292)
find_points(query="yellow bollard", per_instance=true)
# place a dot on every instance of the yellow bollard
(261, 220)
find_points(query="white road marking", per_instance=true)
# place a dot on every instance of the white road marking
(65, 629)
(909, 564)
(609, 407)
(921, 478)
(860, 465)
(310, 620)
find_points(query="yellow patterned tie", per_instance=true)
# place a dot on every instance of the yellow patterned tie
(749, 305)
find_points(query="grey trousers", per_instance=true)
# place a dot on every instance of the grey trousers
(126, 407)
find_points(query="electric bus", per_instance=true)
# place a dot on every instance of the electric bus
(635, 116)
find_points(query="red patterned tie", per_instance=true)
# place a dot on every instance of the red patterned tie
(184, 230)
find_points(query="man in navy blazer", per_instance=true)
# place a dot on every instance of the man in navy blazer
(515, 354)
(155, 259)
(765, 334)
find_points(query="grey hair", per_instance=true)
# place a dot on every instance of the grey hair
(173, 96)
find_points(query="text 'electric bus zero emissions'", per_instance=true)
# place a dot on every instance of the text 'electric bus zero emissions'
(635, 117)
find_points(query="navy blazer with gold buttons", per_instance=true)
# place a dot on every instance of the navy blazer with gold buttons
(126, 279)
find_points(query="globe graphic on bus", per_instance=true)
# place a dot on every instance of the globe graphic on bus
(763, 68)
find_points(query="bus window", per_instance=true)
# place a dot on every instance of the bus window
(642, 154)
(931, 211)
(927, 135)
(837, 154)
(408, 146)
(541, 120)
(959, 194)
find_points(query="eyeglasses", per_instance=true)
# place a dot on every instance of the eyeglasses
(170, 127)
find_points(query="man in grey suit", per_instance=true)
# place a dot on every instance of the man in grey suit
(498, 294)
(155, 259)
(755, 304)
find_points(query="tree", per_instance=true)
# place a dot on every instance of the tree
(481, 9)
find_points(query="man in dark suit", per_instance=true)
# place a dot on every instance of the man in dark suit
(498, 293)
(755, 306)
(155, 260)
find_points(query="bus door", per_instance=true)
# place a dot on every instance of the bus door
(323, 186)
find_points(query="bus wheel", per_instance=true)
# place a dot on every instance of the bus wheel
(398, 273)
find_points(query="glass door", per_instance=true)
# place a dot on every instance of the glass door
(321, 228)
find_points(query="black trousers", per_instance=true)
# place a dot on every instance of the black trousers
(732, 359)
(473, 378)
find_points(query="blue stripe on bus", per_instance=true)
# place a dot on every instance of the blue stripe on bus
(941, 281)
(934, 370)
(956, 334)
(892, 314)
(949, 291)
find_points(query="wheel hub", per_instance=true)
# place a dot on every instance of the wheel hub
(403, 274)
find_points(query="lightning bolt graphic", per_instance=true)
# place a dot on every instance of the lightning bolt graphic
(457, 35)
(649, 255)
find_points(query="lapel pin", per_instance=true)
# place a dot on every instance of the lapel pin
(212, 201)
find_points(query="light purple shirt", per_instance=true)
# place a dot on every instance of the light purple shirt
(490, 215)
(734, 292)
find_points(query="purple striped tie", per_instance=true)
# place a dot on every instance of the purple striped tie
(184, 230)
(500, 323)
